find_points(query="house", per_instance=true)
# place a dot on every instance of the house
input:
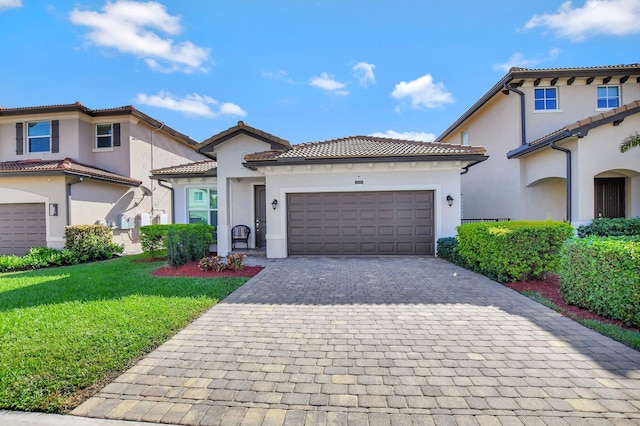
(358, 195)
(71, 165)
(553, 136)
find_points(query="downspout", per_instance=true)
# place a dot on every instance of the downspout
(151, 152)
(523, 123)
(68, 200)
(568, 190)
(173, 195)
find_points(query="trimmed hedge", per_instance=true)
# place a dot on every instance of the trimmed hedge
(603, 276)
(513, 251)
(91, 242)
(447, 248)
(153, 236)
(186, 243)
(615, 227)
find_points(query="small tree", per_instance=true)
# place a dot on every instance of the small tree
(629, 142)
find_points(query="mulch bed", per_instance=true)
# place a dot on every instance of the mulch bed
(549, 289)
(191, 270)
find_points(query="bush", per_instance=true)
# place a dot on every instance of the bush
(447, 248)
(38, 257)
(213, 263)
(513, 251)
(616, 227)
(234, 261)
(91, 242)
(186, 243)
(603, 276)
(153, 239)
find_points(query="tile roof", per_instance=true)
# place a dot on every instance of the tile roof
(209, 144)
(200, 168)
(67, 166)
(578, 128)
(79, 107)
(365, 147)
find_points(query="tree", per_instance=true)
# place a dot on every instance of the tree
(629, 142)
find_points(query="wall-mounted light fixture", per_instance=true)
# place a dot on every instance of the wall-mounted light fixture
(450, 200)
(274, 204)
(53, 209)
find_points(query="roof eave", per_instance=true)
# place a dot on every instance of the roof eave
(363, 160)
(132, 183)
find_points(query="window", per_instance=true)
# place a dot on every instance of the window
(608, 97)
(546, 99)
(203, 205)
(104, 136)
(465, 137)
(39, 136)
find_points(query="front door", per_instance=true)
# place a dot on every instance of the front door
(260, 203)
(609, 197)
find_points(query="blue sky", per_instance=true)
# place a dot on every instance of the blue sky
(301, 70)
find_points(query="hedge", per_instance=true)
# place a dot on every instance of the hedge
(154, 236)
(513, 251)
(610, 227)
(91, 242)
(603, 276)
(447, 248)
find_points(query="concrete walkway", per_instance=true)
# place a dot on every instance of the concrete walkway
(378, 341)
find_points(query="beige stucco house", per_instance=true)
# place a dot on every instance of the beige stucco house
(349, 196)
(553, 136)
(71, 165)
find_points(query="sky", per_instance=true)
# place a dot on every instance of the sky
(301, 70)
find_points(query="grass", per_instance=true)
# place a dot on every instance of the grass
(628, 337)
(68, 329)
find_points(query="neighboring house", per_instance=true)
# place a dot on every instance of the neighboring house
(350, 196)
(553, 138)
(70, 165)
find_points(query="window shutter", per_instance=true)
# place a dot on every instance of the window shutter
(55, 136)
(116, 134)
(19, 139)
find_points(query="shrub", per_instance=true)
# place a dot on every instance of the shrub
(91, 242)
(512, 251)
(213, 263)
(234, 261)
(38, 257)
(610, 227)
(603, 276)
(154, 237)
(186, 243)
(447, 248)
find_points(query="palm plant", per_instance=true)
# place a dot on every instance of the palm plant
(629, 142)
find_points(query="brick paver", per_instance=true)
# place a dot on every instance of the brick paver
(378, 341)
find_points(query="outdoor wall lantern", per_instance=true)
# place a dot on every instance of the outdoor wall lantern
(53, 210)
(450, 200)
(274, 203)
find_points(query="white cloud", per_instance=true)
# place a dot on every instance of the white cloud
(363, 71)
(280, 75)
(194, 105)
(132, 27)
(327, 83)
(409, 136)
(7, 4)
(596, 17)
(423, 92)
(518, 60)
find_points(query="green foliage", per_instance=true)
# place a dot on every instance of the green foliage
(38, 257)
(512, 251)
(447, 248)
(64, 331)
(629, 142)
(185, 243)
(603, 276)
(614, 227)
(154, 237)
(213, 263)
(91, 242)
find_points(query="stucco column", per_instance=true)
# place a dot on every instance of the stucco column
(224, 215)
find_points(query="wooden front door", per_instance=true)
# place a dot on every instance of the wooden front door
(260, 203)
(609, 197)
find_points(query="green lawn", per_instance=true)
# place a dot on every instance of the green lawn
(63, 330)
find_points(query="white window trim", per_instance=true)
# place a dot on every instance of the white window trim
(95, 138)
(208, 210)
(620, 103)
(537, 111)
(28, 138)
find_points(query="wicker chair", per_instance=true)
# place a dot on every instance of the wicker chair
(240, 234)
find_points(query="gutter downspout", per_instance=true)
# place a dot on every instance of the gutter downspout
(68, 200)
(173, 195)
(522, 116)
(151, 153)
(568, 190)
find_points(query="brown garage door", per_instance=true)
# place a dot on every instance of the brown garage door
(364, 223)
(22, 226)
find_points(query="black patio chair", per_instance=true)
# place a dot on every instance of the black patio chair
(240, 234)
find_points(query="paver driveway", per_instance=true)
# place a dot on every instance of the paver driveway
(378, 341)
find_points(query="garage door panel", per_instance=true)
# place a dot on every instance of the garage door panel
(361, 223)
(22, 226)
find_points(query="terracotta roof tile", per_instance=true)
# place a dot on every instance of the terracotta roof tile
(196, 168)
(66, 166)
(365, 147)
